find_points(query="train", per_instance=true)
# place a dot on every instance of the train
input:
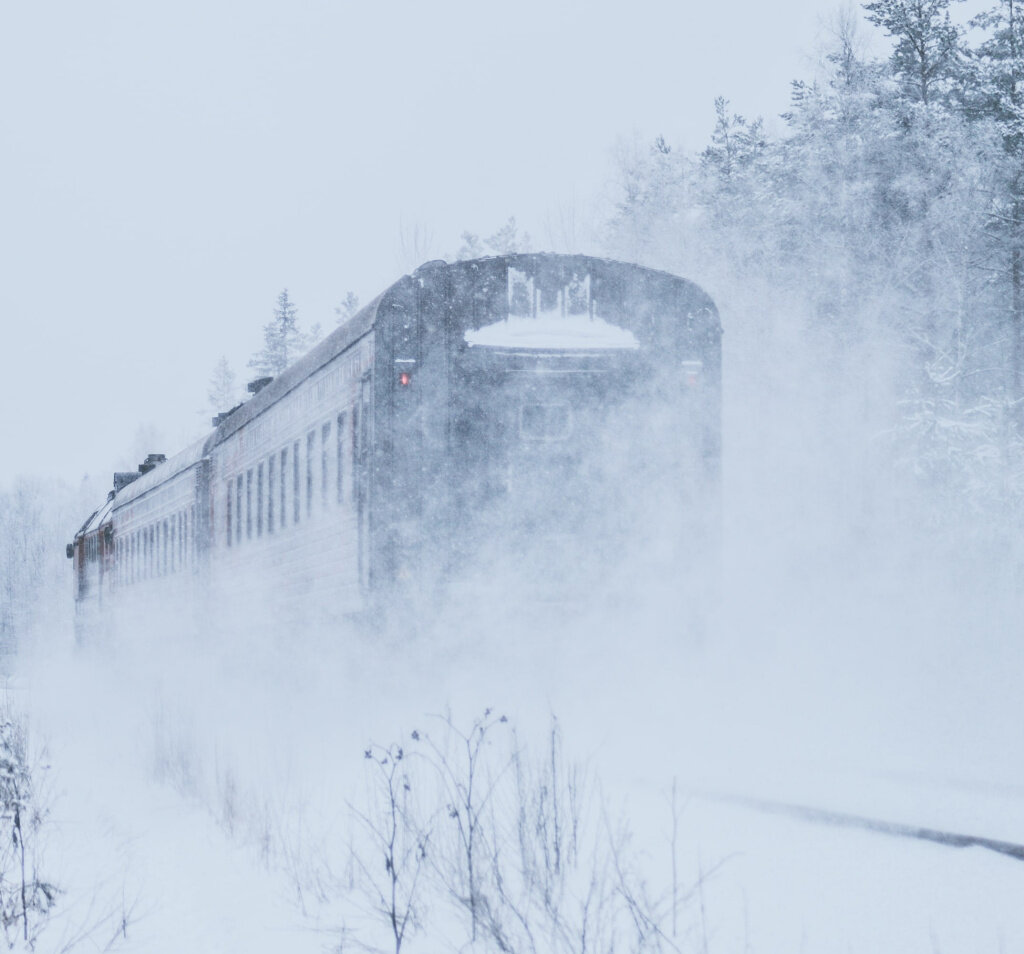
(508, 418)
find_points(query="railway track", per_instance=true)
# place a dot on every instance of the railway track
(894, 829)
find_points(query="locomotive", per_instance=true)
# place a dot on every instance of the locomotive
(520, 410)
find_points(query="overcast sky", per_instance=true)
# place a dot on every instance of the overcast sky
(169, 168)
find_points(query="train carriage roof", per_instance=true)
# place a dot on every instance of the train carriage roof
(334, 344)
(613, 273)
(164, 471)
(469, 273)
(473, 274)
(96, 520)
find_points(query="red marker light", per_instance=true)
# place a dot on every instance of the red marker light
(691, 372)
(404, 378)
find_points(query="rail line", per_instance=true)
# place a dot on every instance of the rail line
(893, 829)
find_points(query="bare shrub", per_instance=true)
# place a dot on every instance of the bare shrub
(522, 846)
(399, 838)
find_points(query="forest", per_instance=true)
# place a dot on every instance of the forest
(884, 222)
(866, 251)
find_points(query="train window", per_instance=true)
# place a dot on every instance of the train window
(355, 449)
(227, 511)
(238, 509)
(174, 543)
(270, 492)
(284, 486)
(310, 440)
(325, 440)
(296, 496)
(341, 456)
(259, 499)
(248, 504)
(545, 422)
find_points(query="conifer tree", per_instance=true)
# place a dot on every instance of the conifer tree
(505, 241)
(222, 393)
(283, 341)
(1000, 94)
(927, 57)
(348, 307)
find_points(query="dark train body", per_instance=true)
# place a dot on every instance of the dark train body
(518, 411)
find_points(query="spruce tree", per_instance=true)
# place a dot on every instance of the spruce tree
(928, 57)
(283, 341)
(222, 392)
(1000, 98)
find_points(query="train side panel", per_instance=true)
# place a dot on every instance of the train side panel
(160, 546)
(288, 501)
(428, 434)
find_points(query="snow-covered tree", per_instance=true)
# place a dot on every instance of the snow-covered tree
(927, 58)
(283, 340)
(999, 98)
(26, 898)
(222, 392)
(23, 540)
(348, 307)
(505, 241)
(880, 234)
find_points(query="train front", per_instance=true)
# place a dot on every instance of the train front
(582, 429)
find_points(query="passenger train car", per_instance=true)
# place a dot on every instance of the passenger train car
(520, 411)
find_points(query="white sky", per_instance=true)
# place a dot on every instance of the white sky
(168, 168)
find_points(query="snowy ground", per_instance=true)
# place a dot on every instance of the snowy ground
(203, 792)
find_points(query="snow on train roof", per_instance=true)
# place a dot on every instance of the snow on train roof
(563, 319)
(294, 375)
(597, 334)
(96, 520)
(180, 462)
(553, 332)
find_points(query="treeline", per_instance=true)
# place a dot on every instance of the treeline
(885, 220)
(37, 518)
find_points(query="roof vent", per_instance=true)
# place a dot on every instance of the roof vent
(123, 478)
(223, 416)
(150, 462)
(254, 387)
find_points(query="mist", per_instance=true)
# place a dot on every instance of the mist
(742, 722)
